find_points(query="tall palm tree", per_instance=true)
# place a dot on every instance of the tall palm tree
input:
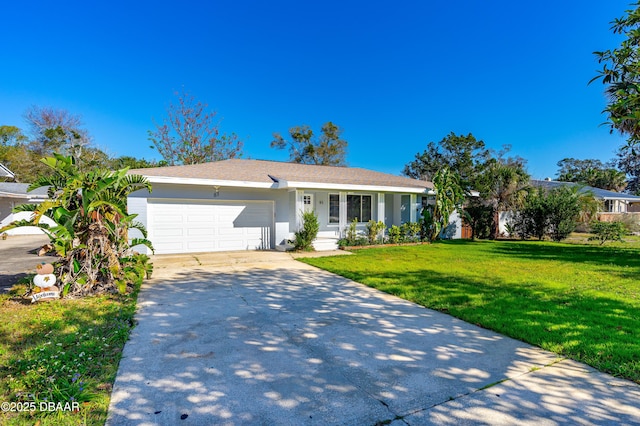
(504, 188)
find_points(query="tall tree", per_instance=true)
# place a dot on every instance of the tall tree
(134, 163)
(15, 155)
(591, 172)
(621, 76)
(629, 162)
(56, 130)
(190, 134)
(11, 136)
(464, 155)
(503, 187)
(327, 150)
(21, 161)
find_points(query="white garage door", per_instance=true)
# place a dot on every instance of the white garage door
(187, 226)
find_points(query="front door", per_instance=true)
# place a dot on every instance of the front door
(307, 203)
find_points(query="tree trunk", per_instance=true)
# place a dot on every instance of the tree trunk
(496, 224)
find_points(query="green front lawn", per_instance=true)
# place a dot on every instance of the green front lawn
(579, 301)
(62, 351)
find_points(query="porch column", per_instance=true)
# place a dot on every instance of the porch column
(413, 206)
(299, 207)
(343, 213)
(381, 207)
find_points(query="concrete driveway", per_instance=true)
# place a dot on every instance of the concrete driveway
(262, 339)
(18, 257)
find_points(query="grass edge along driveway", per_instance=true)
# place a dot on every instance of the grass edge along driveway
(579, 301)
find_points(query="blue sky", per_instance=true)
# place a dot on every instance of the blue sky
(393, 75)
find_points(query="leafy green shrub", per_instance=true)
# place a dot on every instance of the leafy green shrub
(554, 213)
(308, 232)
(426, 224)
(563, 210)
(608, 231)
(395, 234)
(374, 231)
(631, 221)
(480, 218)
(352, 232)
(410, 231)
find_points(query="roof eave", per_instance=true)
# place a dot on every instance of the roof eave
(622, 198)
(5, 172)
(30, 197)
(209, 182)
(351, 187)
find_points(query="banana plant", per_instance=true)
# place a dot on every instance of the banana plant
(91, 223)
(449, 196)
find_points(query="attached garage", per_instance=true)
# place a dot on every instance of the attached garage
(189, 226)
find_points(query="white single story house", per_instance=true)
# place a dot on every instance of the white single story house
(13, 194)
(256, 205)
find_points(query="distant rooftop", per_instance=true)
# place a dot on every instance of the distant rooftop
(19, 190)
(603, 194)
(5, 172)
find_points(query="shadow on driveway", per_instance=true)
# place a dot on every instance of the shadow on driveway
(19, 257)
(286, 343)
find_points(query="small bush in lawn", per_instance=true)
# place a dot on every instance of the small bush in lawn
(308, 232)
(608, 231)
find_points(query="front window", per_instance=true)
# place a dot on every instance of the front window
(334, 208)
(358, 206)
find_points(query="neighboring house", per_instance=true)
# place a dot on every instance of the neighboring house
(613, 203)
(252, 204)
(13, 194)
(5, 173)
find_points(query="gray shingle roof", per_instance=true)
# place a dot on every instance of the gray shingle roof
(597, 192)
(20, 190)
(261, 171)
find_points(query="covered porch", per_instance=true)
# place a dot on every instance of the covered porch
(336, 210)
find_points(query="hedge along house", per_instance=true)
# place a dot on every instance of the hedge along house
(257, 205)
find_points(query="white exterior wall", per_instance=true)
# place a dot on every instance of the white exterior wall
(503, 219)
(138, 202)
(454, 229)
(389, 207)
(138, 205)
